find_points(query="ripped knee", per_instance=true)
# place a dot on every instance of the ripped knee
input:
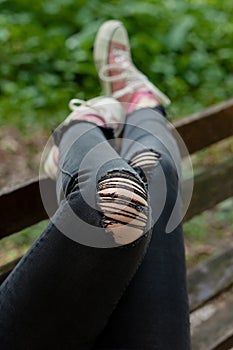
(123, 200)
(146, 160)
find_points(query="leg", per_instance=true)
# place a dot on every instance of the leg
(62, 292)
(153, 312)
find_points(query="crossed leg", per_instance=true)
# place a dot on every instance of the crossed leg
(153, 312)
(63, 291)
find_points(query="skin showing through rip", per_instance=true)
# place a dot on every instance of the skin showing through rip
(123, 201)
(146, 160)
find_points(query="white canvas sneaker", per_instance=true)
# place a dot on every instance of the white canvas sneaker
(102, 111)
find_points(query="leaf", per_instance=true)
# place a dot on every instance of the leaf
(177, 36)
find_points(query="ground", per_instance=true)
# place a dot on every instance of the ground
(19, 157)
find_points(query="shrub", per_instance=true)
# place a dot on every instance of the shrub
(184, 46)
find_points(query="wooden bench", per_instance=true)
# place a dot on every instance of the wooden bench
(211, 318)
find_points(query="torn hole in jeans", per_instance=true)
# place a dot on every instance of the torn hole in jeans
(124, 202)
(146, 160)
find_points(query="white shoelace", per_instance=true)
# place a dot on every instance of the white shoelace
(75, 103)
(134, 78)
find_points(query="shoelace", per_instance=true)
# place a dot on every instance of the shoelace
(75, 105)
(134, 78)
(76, 101)
(128, 72)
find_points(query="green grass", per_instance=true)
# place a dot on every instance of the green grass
(184, 46)
(17, 244)
(209, 233)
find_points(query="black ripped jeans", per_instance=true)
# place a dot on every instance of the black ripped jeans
(77, 288)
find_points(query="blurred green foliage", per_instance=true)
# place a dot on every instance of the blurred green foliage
(184, 46)
(17, 244)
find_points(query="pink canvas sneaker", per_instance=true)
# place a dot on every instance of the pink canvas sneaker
(119, 76)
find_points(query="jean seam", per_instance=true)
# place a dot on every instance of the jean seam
(67, 173)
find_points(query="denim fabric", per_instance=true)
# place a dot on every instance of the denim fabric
(67, 295)
(154, 312)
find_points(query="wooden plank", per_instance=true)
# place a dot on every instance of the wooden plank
(21, 206)
(216, 332)
(7, 268)
(211, 187)
(205, 128)
(227, 344)
(210, 278)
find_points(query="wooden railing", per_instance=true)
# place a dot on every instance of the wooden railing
(21, 206)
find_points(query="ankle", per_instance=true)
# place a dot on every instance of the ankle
(145, 102)
(142, 99)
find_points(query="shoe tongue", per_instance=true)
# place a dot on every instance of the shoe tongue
(117, 44)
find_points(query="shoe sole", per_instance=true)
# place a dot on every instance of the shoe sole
(101, 48)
